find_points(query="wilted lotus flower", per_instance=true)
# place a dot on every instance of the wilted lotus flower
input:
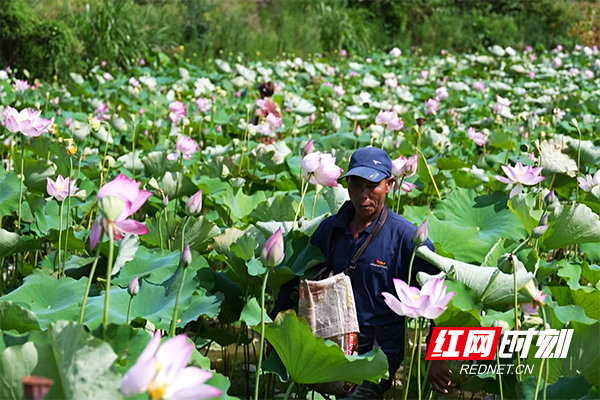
(273, 251)
(532, 308)
(134, 287)
(308, 148)
(479, 86)
(338, 91)
(432, 106)
(61, 188)
(588, 183)
(134, 82)
(162, 373)
(420, 236)
(479, 138)
(441, 93)
(186, 146)
(429, 302)
(398, 166)
(520, 175)
(178, 111)
(27, 122)
(117, 212)
(194, 204)
(21, 86)
(390, 119)
(320, 169)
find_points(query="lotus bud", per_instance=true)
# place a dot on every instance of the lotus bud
(111, 207)
(420, 235)
(194, 204)
(186, 256)
(410, 168)
(501, 324)
(95, 124)
(505, 263)
(166, 201)
(550, 198)
(358, 131)
(544, 219)
(134, 287)
(273, 251)
(539, 231)
(308, 148)
(81, 195)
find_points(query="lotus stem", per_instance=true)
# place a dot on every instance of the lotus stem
(516, 308)
(89, 284)
(430, 174)
(383, 138)
(412, 259)
(22, 180)
(499, 376)
(262, 331)
(304, 190)
(289, 391)
(160, 235)
(543, 312)
(179, 183)
(129, 310)
(578, 160)
(539, 379)
(412, 357)
(68, 214)
(512, 133)
(133, 149)
(176, 310)
(62, 203)
(399, 195)
(108, 274)
(419, 326)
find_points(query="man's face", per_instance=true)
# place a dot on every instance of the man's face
(368, 197)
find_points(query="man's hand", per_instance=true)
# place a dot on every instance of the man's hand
(439, 376)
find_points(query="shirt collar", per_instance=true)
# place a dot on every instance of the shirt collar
(344, 217)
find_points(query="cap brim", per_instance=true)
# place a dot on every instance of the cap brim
(370, 174)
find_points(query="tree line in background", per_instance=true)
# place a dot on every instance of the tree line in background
(48, 36)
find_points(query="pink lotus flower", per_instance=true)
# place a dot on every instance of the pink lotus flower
(588, 183)
(392, 83)
(134, 82)
(178, 111)
(574, 71)
(588, 74)
(133, 198)
(339, 91)
(27, 122)
(441, 93)
(528, 49)
(479, 138)
(532, 308)
(320, 169)
(142, 62)
(410, 168)
(557, 62)
(390, 119)
(203, 104)
(266, 106)
(108, 76)
(398, 166)
(160, 371)
(101, 110)
(274, 121)
(429, 302)
(194, 204)
(21, 86)
(520, 175)
(406, 187)
(479, 86)
(308, 148)
(531, 74)
(504, 101)
(186, 146)
(61, 188)
(56, 101)
(432, 106)
(273, 252)
(344, 53)
(68, 122)
(424, 74)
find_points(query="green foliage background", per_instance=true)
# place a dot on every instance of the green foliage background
(50, 36)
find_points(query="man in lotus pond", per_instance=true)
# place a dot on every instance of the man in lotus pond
(369, 180)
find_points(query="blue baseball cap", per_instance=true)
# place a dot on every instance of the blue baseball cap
(370, 163)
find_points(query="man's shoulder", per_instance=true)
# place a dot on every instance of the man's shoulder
(401, 225)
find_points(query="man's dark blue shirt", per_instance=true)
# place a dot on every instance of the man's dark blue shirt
(386, 258)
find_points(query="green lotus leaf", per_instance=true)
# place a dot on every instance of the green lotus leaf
(9, 195)
(11, 243)
(311, 360)
(572, 225)
(49, 298)
(477, 278)
(80, 365)
(14, 316)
